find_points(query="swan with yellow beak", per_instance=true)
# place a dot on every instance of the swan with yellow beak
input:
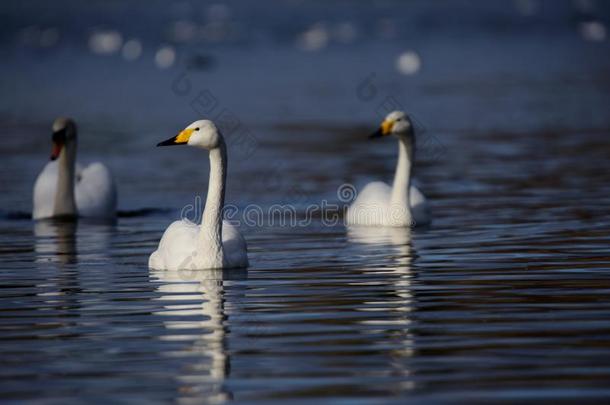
(213, 244)
(401, 204)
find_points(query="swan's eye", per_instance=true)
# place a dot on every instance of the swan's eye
(196, 129)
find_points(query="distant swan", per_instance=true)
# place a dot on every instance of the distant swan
(215, 244)
(65, 189)
(403, 204)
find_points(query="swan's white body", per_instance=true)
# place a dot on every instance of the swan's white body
(180, 248)
(401, 204)
(374, 207)
(64, 188)
(215, 244)
(94, 191)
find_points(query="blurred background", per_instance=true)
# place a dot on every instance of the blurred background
(293, 74)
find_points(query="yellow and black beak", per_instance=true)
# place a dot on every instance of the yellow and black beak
(180, 139)
(59, 140)
(384, 129)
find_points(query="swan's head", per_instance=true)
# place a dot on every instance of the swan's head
(202, 133)
(64, 136)
(396, 123)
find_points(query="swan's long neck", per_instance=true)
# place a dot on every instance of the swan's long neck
(402, 178)
(64, 194)
(211, 221)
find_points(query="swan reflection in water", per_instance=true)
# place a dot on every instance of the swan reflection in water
(69, 242)
(390, 252)
(64, 250)
(198, 309)
(55, 241)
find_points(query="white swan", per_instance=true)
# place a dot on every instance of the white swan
(214, 244)
(65, 189)
(403, 204)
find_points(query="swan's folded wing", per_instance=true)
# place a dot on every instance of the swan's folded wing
(416, 197)
(234, 246)
(95, 192)
(178, 245)
(376, 193)
(419, 206)
(44, 191)
(369, 206)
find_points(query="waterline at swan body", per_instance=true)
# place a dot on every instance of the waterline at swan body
(402, 204)
(66, 189)
(214, 244)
